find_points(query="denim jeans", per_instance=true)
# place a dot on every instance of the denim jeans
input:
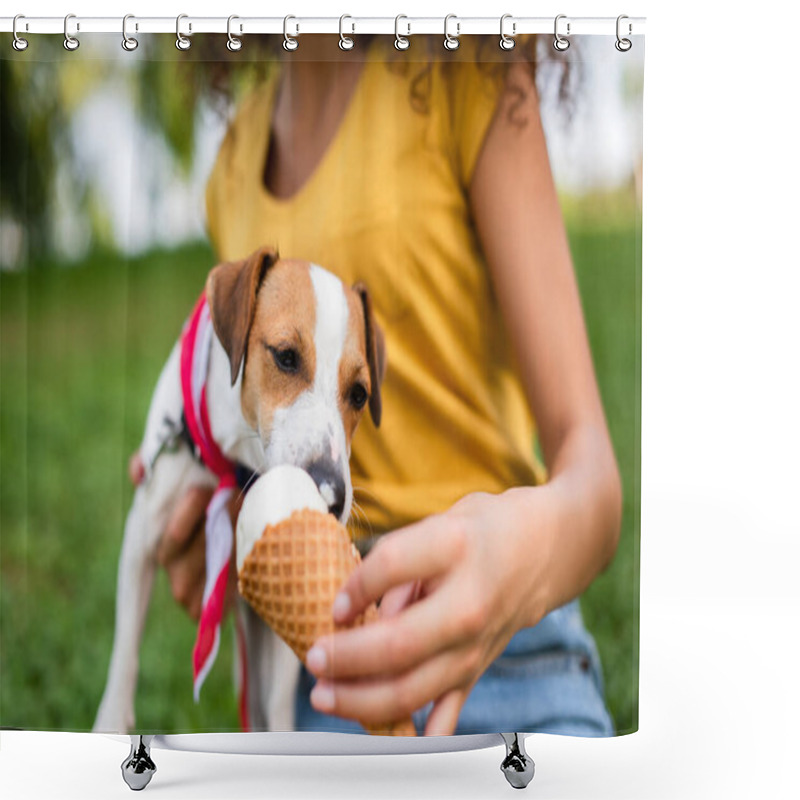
(547, 680)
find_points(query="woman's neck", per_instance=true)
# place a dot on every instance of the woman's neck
(317, 74)
(314, 93)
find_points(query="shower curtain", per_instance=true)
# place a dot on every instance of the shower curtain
(417, 181)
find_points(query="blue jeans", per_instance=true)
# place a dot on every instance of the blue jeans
(547, 680)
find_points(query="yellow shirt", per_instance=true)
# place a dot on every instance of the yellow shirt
(388, 205)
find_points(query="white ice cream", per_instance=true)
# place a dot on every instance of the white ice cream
(272, 498)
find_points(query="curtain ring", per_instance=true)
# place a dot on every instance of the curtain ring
(401, 42)
(182, 42)
(345, 42)
(623, 45)
(129, 43)
(70, 42)
(234, 43)
(451, 42)
(559, 42)
(289, 42)
(19, 44)
(506, 42)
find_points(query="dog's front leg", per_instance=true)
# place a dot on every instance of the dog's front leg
(137, 566)
(273, 672)
(259, 656)
(153, 502)
(284, 677)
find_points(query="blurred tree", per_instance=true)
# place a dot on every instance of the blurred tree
(39, 93)
(32, 124)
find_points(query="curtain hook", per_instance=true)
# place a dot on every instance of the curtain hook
(182, 42)
(129, 43)
(289, 42)
(451, 42)
(559, 42)
(19, 44)
(401, 42)
(70, 42)
(506, 42)
(623, 45)
(345, 42)
(234, 43)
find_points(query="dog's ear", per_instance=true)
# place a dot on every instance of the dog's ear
(231, 290)
(376, 353)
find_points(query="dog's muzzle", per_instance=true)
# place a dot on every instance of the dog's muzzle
(330, 483)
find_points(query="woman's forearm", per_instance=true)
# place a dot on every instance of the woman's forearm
(568, 529)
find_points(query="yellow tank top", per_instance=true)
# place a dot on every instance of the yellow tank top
(388, 205)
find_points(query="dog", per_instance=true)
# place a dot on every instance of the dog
(293, 360)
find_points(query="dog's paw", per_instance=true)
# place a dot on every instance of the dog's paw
(113, 720)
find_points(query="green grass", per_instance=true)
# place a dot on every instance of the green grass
(608, 264)
(71, 412)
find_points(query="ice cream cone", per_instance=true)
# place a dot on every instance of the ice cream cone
(291, 577)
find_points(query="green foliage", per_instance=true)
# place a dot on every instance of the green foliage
(167, 96)
(40, 93)
(80, 351)
(32, 123)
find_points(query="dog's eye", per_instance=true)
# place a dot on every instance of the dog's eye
(358, 396)
(287, 360)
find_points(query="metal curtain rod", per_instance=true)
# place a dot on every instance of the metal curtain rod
(409, 26)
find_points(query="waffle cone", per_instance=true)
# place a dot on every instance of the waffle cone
(291, 577)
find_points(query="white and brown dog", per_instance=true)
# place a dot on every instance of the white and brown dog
(293, 359)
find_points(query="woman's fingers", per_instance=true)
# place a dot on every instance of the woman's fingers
(418, 552)
(136, 468)
(395, 600)
(232, 589)
(393, 644)
(234, 507)
(187, 574)
(182, 549)
(443, 718)
(383, 699)
(184, 524)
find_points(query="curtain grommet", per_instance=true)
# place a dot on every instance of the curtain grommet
(560, 43)
(623, 45)
(18, 43)
(290, 43)
(401, 42)
(507, 42)
(451, 42)
(70, 42)
(182, 42)
(234, 43)
(129, 43)
(346, 42)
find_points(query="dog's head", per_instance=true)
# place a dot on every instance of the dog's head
(311, 358)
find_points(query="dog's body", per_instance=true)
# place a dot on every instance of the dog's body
(294, 358)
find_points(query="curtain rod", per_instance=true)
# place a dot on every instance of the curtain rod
(295, 26)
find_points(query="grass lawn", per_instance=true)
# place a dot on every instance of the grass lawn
(71, 412)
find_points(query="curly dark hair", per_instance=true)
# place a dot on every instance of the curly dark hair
(533, 51)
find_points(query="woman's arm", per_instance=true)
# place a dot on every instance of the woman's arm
(519, 223)
(456, 586)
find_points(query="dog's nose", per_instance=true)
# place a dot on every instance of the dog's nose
(330, 484)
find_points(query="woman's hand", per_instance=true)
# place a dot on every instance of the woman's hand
(455, 589)
(182, 549)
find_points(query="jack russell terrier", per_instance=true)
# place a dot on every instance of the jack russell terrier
(279, 360)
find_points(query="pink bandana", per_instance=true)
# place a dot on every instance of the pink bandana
(195, 348)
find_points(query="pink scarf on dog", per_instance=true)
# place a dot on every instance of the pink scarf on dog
(195, 349)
